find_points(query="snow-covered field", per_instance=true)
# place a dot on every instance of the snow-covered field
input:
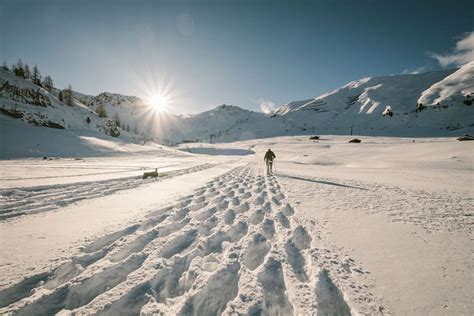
(384, 226)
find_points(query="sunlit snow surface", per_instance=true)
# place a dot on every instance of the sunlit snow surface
(376, 227)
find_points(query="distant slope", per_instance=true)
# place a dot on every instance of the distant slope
(34, 123)
(25, 101)
(362, 104)
(18, 139)
(452, 89)
(385, 105)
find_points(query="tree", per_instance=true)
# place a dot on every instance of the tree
(420, 107)
(60, 96)
(27, 72)
(67, 95)
(112, 129)
(18, 69)
(117, 119)
(467, 100)
(101, 111)
(36, 77)
(48, 83)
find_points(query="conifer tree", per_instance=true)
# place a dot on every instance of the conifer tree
(69, 95)
(48, 83)
(101, 111)
(27, 72)
(36, 77)
(117, 119)
(18, 69)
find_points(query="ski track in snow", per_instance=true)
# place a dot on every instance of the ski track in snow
(234, 246)
(24, 201)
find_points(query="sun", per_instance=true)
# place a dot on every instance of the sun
(159, 102)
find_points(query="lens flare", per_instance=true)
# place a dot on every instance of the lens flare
(159, 102)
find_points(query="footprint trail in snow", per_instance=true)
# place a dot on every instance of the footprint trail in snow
(234, 246)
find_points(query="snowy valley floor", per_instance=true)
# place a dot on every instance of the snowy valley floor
(381, 227)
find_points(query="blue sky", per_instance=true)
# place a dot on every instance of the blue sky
(235, 52)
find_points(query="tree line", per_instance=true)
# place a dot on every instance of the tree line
(24, 71)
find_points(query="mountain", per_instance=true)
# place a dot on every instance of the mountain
(452, 89)
(226, 123)
(385, 105)
(34, 122)
(363, 103)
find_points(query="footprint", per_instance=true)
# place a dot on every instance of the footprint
(242, 208)
(180, 214)
(288, 210)
(229, 217)
(22, 289)
(267, 207)
(257, 217)
(283, 220)
(330, 300)
(268, 228)
(179, 244)
(109, 239)
(203, 215)
(135, 246)
(238, 231)
(197, 207)
(235, 200)
(82, 293)
(274, 290)
(131, 303)
(212, 299)
(296, 261)
(206, 227)
(256, 251)
(301, 238)
(152, 222)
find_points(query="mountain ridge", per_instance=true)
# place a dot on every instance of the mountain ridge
(382, 105)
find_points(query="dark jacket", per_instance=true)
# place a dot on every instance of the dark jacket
(269, 156)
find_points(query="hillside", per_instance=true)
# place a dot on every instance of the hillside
(452, 89)
(35, 123)
(366, 104)
(385, 105)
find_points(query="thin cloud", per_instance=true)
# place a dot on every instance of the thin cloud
(462, 53)
(266, 106)
(415, 71)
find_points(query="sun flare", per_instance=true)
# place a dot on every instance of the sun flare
(159, 102)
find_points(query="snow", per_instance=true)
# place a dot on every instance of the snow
(359, 105)
(22, 140)
(377, 227)
(384, 226)
(453, 88)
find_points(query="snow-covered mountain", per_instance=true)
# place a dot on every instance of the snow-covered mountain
(22, 100)
(452, 89)
(34, 122)
(386, 105)
(366, 104)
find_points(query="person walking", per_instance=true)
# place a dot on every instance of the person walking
(269, 156)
